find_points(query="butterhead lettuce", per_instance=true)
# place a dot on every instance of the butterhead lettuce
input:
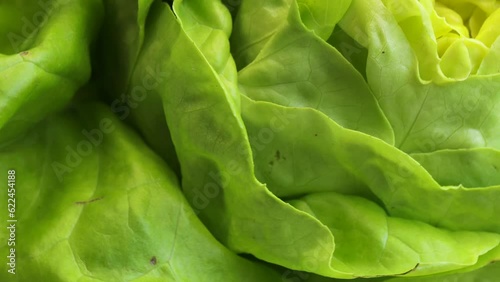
(281, 140)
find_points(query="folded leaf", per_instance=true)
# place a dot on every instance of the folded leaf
(425, 115)
(358, 161)
(298, 69)
(217, 169)
(470, 168)
(96, 204)
(50, 61)
(369, 243)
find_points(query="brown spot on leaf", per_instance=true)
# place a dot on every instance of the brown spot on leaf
(153, 260)
(277, 155)
(25, 53)
(89, 201)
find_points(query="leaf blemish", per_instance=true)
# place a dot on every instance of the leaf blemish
(277, 155)
(153, 260)
(89, 201)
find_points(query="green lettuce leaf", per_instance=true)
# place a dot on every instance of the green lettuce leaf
(298, 69)
(292, 168)
(281, 140)
(48, 59)
(217, 169)
(359, 162)
(249, 38)
(477, 167)
(425, 115)
(369, 243)
(96, 204)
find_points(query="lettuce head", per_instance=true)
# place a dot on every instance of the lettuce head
(263, 140)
